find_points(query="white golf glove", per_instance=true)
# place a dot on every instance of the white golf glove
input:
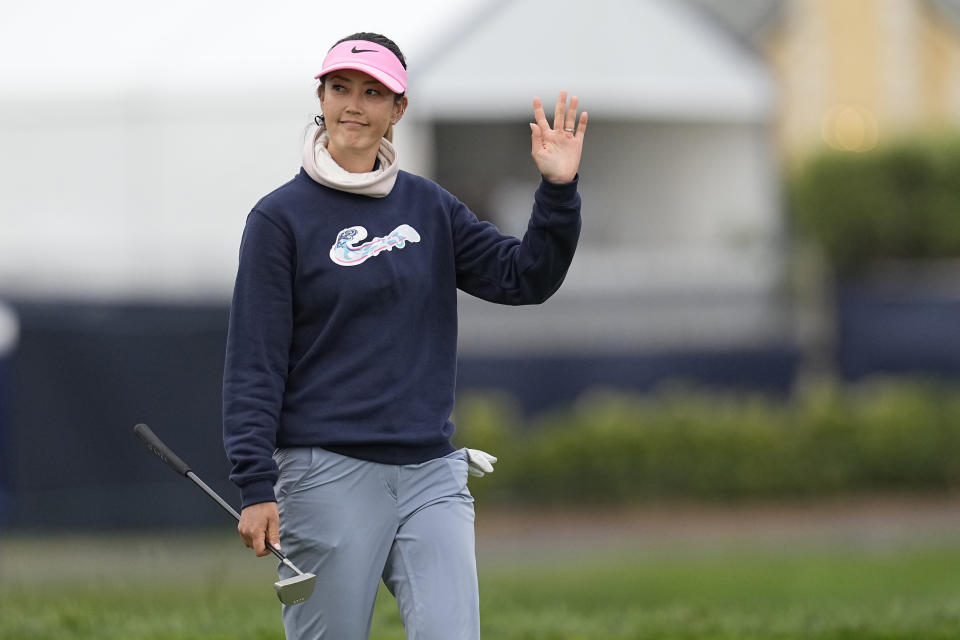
(479, 463)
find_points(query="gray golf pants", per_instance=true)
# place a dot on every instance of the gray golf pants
(351, 522)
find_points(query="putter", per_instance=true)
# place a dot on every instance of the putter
(290, 591)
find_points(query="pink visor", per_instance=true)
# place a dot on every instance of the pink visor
(371, 58)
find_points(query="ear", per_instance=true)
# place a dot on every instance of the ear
(320, 92)
(399, 106)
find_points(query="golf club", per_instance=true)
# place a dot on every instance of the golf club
(290, 591)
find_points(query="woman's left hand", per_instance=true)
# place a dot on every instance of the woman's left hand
(556, 151)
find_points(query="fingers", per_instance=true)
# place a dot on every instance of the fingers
(539, 116)
(564, 120)
(273, 534)
(558, 111)
(536, 137)
(252, 535)
(564, 117)
(582, 127)
(570, 119)
(259, 523)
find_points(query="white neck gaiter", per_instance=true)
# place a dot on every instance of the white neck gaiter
(320, 166)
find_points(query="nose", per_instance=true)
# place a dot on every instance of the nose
(353, 103)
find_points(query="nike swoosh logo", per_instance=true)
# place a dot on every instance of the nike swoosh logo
(355, 50)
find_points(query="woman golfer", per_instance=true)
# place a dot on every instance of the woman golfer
(340, 361)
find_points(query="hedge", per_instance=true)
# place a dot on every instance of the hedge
(900, 201)
(882, 436)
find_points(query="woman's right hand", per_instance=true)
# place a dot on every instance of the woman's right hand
(260, 524)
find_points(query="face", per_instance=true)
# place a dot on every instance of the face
(357, 111)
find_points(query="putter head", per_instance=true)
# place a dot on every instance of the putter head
(296, 589)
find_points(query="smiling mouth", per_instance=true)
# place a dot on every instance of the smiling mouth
(353, 123)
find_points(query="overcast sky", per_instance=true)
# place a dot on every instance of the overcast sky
(53, 45)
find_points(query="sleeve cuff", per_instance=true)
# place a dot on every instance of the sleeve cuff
(559, 191)
(256, 492)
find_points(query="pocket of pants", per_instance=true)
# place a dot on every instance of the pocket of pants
(459, 467)
(294, 464)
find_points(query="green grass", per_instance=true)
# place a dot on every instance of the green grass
(196, 588)
(811, 593)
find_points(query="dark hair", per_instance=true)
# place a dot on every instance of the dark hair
(375, 38)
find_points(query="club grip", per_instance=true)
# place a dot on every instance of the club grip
(163, 452)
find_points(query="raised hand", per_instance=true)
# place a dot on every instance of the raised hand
(556, 151)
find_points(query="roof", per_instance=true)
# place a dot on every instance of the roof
(949, 8)
(640, 59)
(746, 20)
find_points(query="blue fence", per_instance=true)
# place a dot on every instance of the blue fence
(907, 330)
(9, 332)
(84, 374)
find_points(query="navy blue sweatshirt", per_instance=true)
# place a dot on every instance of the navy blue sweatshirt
(343, 327)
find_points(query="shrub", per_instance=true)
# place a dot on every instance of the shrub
(877, 436)
(896, 202)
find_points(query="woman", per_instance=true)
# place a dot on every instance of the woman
(340, 364)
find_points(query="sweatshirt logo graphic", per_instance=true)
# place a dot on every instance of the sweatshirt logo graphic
(345, 252)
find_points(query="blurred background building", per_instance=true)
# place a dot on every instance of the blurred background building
(680, 267)
(851, 74)
(131, 156)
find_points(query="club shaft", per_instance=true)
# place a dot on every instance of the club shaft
(226, 506)
(213, 495)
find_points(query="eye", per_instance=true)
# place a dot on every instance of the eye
(374, 92)
(339, 88)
